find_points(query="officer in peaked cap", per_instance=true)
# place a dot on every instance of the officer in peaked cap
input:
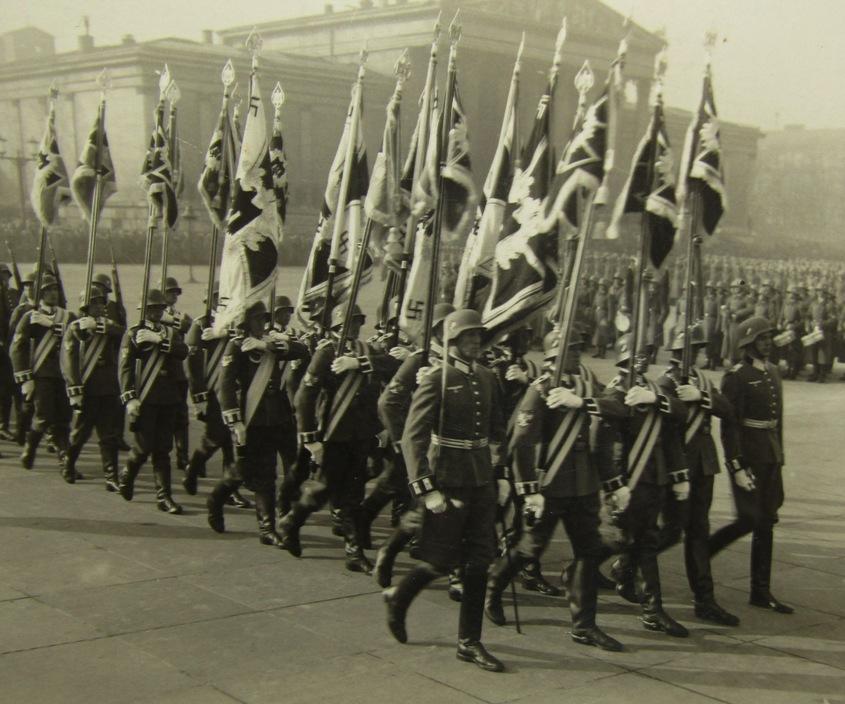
(451, 472)
(753, 442)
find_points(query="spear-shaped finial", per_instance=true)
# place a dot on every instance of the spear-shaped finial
(402, 67)
(560, 40)
(710, 39)
(437, 28)
(104, 82)
(163, 83)
(253, 45)
(54, 96)
(455, 28)
(584, 81)
(227, 75)
(173, 94)
(277, 97)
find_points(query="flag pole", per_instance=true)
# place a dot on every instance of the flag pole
(419, 161)
(39, 270)
(103, 81)
(154, 213)
(402, 72)
(340, 208)
(227, 77)
(173, 94)
(278, 99)
(54, 263)
(436, 235)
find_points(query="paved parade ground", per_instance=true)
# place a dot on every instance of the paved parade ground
(107, 601)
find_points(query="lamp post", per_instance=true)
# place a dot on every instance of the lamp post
(188, 218)
(20, 165)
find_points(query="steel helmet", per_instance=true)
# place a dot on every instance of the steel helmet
(48, 281)
(256, 309)
(441, 310)
(696, 339)
(283, 303)
(171, 284)
(551, 341)
(462, 320)
(155, 298)
(749, 330)
(339, 313)
(103, 280)
(96, 295)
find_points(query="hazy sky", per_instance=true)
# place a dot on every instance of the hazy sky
(780, 61)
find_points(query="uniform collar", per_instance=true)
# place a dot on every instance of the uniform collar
(758, 364)
(461, 365)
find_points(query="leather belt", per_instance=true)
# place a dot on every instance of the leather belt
(760, 424)
(458, 443)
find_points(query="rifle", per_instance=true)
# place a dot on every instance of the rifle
(16, 272)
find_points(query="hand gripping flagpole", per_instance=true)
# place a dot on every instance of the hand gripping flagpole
(104, 82)
(340, 207)
(154, 211)
(42, 241)
(173, 95)
(227, 77)
(689, 216)
(419, 162)
(402, 71)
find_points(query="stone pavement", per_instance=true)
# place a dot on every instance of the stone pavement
(106, 601)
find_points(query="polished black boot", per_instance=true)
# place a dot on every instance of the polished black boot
(356, 560)
(398, 599)
(126, 478)
(501, 574)
(196, 467)
(215, 502)
(265, 508)
(386, 556)
(456, 585)
(180, 438)
(470, 648)
(65, 468)
(532, 579)
(110, 475)
(33, 437)
(289, 528)
(762, 542)
(583, 597)
(164, 501)
(238, 500)
(623, 571)
(654, 618)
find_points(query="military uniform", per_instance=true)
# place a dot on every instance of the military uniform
(712, 328)
(569, 477)
(737, 308)
(251, 393)
(24, 407)
(89, 365)
(753, 442)
(35, 355)
(182, 323)
(8, 388)
(823, 318)
(150, 374)
(791, 321)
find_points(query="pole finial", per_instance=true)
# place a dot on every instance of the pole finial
(53, 91)
(711, 36)
(173, 94)
(104, 81)
(402, 67)
(584, 80)
(455, 28)
(227, 75)
(253, 45)
(277, 97)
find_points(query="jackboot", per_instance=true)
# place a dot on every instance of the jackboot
(470, 648)
(623, 571)
(195, 467)
(654, 618)
(367, 512)
(67, 471)
(533, 580)
(110, 475)
(386, 556)
(289, 528)
(164, 501)
(398, 599)
(126, 478)
(33, 437)
(456, 585)
(762, 542)
(501, 574)
(180, 438)
(215, 501)
(356, 560)
(238, 500)
(265, 508)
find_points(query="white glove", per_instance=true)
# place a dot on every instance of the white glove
(561, 396)
(621, 498)
(39, 318)
(681, 491)
(435, 502)
(504, 489)
(28, 387)
(145, 335)
(640, 396)
(76, 400)
(536, 503)
(133, 408)
(744, 480)
(252, 343)
(210, 334)
(688, 392)
(277, 336)
(514, 373)
(199, 408)
(316, 450)
(345, 364)
(87, 323)
(399, 353)
(167, 318)
(239, 431)
(421, 374)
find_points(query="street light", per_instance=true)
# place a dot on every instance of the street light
(20, 165)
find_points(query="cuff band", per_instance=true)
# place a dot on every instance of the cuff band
(423, 485)
(200, 397)
(706, 401)
(21, 377)
(75, 390)
(128, 396)
(612, 485)
(364, 365)
(526, 488)
(734, 466)
(682, 475)
(309, 437)
(591, 406)
(503, 472)
(663, 403)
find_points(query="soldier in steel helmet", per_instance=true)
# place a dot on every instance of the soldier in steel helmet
(89, 365)
(35, 352)
(753, 444)
(182, 323)
(152, 398)
(556, 414)
(455, 413)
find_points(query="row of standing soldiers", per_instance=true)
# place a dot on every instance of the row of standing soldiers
(459, 434)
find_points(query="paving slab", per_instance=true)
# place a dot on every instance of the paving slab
(824, 643)
(28, 623)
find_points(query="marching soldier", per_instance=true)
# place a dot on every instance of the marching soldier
(35, 351)
(823, 319)
(653, 457)
(791, 322)
(736, 308)
(565, 489)
(255, 408)
(152, 398)
(393, 405)
(753, 443)
(454, 415)
(712, 336)
(24, 407)
(338, 424)
(182, 323)
(692, 516)
(8, 388)
(89, 365)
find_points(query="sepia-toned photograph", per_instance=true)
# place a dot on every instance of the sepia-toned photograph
(422, 351)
